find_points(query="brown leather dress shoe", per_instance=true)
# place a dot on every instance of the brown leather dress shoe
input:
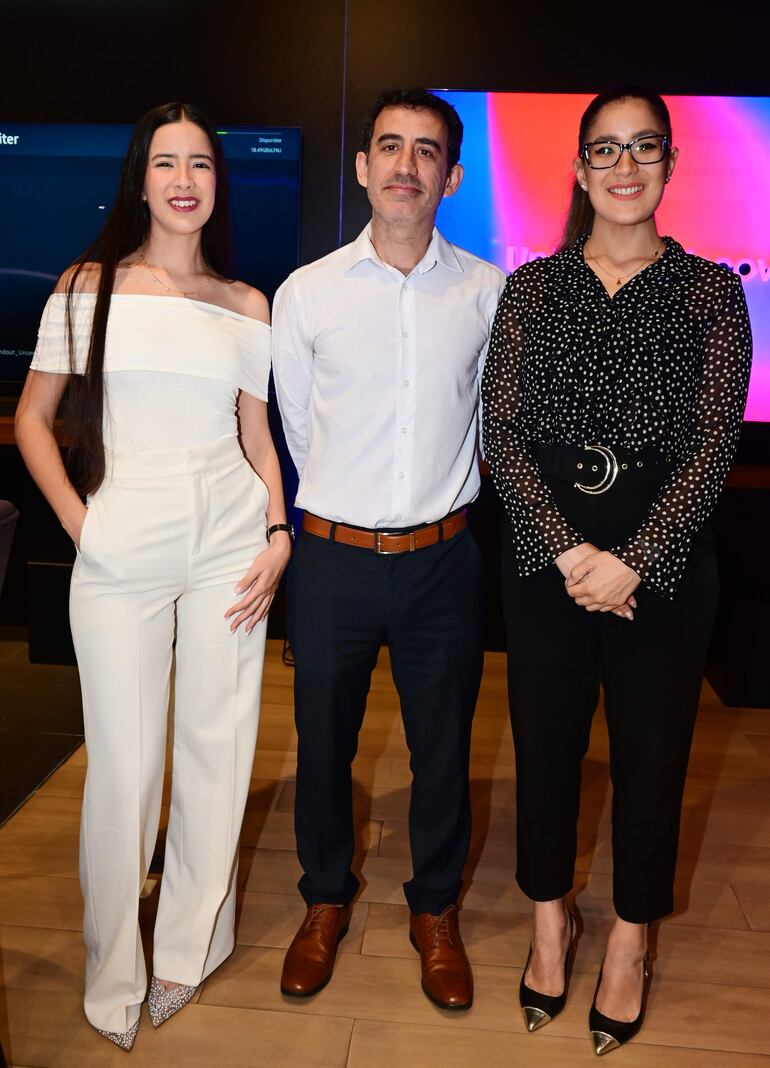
(309, 960)
(446, 971)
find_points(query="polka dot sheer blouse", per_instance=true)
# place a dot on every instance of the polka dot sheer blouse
(663, 364)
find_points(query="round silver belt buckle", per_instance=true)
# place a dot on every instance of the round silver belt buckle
(609, 475)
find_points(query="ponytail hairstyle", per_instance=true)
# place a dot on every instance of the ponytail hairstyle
(580, 215)
(126, 230)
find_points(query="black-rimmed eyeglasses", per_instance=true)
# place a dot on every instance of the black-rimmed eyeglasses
(601, 155)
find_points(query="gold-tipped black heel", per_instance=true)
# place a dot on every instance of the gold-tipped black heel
(539, 1009)
(608, 1034)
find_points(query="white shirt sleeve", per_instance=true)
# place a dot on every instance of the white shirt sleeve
(292, 370)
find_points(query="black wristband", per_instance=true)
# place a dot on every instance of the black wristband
(281, 526)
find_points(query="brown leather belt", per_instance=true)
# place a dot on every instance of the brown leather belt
(386, 544)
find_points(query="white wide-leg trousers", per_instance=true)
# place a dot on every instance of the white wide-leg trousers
(166, 538)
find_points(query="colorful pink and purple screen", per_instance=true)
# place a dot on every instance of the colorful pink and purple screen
(512, 203)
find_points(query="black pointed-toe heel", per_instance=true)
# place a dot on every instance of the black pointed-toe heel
(607, 1034)
(539, 1009)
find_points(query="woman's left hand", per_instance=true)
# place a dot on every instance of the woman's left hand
(601, 583)
(260, 583)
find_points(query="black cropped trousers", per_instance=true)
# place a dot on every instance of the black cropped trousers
(650, 669)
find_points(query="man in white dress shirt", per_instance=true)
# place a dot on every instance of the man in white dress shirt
(378, 353)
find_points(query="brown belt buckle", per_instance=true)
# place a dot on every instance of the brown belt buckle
(378, 543)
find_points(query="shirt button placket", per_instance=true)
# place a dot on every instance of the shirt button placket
(404, 414)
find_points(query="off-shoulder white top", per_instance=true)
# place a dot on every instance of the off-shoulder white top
(173, 367)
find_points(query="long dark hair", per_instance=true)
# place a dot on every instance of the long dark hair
(126, 229)
(580, 215)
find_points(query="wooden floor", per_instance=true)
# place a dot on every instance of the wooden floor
(710, 1000)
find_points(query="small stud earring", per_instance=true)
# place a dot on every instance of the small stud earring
(668, 179)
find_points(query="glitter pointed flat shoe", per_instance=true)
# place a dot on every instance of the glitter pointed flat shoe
(163, 1003)
(124, 1039)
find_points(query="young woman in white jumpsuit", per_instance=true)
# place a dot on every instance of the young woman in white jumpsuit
(183, 485)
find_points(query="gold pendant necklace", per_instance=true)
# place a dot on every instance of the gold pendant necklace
(171, 289)
(620, 279)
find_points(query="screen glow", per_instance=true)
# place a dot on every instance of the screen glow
(512, 203)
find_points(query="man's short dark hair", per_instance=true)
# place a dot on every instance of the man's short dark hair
(417, 99)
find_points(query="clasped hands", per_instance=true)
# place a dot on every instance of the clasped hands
(599, 581)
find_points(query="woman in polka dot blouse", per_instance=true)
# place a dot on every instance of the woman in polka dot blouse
(613, 397)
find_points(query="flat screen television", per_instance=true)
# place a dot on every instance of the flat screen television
(57, 183)
(518, 150)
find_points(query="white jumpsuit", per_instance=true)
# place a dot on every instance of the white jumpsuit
(176, 523)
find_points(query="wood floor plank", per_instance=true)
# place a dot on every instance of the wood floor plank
(731, 958)
(710, 1000)
(42, 838)
(489, 937)
(761, 743)
(274, 764)
(682, 1014)
(709, 860)
(683, 952)
(724, 861)
(270, 871)
(271, 921)
(49, 1030)
(697, 902)
(41, 901)
(754, 899)
(79, 757)
(40, 958)
(385, 1045)
(67, 781)
(275, 830)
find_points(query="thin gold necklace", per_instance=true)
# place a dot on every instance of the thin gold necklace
(171, 289)
(620, 279)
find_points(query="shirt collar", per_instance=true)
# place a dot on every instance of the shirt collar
(438, 251)
(676, 262)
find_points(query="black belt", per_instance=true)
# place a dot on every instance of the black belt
(595, 468)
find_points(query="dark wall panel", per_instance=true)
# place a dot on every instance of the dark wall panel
(714, 46)
(271, 61)
(281, 61)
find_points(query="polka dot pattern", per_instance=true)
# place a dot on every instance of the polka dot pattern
(664, 363)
